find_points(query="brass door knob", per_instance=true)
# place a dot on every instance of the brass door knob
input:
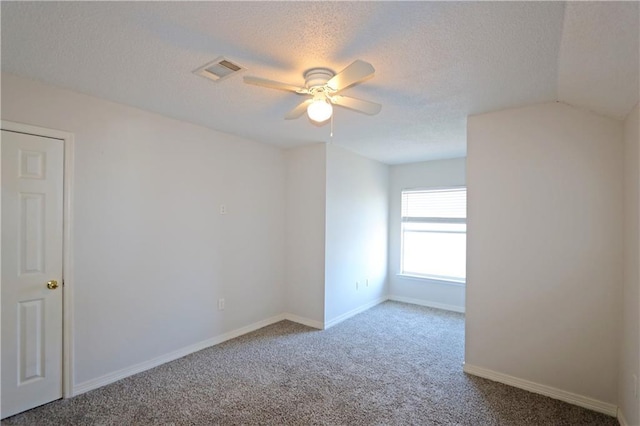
(52, 285)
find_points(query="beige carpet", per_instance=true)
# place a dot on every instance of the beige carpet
(395, 364)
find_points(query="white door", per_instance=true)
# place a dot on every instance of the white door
(32, 177)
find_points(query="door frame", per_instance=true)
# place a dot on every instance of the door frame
(67, 244)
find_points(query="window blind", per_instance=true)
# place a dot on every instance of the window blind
(434, 204)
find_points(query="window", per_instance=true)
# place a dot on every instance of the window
(434, 234)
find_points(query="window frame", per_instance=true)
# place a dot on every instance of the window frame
(425, 277)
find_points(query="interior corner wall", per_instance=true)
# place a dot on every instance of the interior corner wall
(544, 245)
(630, 341)
(428, 174)
(305, 232)
(152, 252)
(356, 233)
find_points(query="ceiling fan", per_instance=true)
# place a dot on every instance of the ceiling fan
(323, 85)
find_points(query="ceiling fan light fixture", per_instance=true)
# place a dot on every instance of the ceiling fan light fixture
(319, 110)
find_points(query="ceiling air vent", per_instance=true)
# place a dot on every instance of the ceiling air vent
(219, 69)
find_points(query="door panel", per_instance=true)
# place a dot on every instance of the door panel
(32, 191)
(30, 341)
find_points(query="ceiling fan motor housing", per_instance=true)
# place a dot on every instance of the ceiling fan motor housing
(317, 77)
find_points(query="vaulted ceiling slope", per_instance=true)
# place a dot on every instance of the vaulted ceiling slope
(436, 62)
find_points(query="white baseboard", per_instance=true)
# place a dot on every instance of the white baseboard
(143, 366)
(621, 419)
(555, 393)
(428, 303)
(304, 321)
(353, 312)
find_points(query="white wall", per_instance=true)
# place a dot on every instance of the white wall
(545, 247)
(356, 232)
(429, 174)
(630, 342)
(152, 252)
(305, 233)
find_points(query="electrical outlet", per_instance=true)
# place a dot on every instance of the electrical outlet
(367, 282)
(357, 285)
(223, 209)
(221, 304)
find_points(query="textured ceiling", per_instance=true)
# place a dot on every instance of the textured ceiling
(599, 55)
(436, 62)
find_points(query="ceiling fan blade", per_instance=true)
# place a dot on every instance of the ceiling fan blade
(370, 108)
(354, 73)
(298, 111)
(274, 84)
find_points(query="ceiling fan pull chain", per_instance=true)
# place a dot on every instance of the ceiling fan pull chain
(331, 134)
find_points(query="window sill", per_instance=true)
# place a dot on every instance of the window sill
(451, 281)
